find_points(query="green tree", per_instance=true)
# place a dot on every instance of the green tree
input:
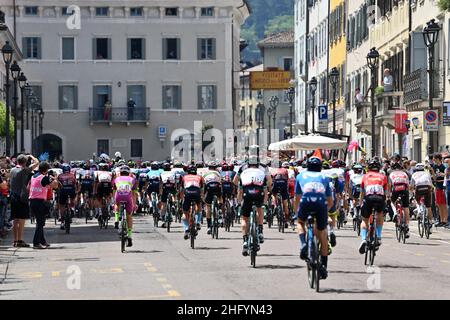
(444, 5)
(2, 121)
(279, 24)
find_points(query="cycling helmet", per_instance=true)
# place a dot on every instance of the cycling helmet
(314, 164)
(131, 164)
(56, 165)
(200, 164)
(225, 167)
(166, 166)
(357, 168)
(125, 170)
(253, 161)
(118, 155)
(103, 167)
(374, 164)
(419, 167)
(396, 166)
(177, 164)
(285, 165)
(121, 163)
(86, 166)
(192, 169)
(397, 157)
(213, 165)
(65, 168)
(154, 165)
(325, 165)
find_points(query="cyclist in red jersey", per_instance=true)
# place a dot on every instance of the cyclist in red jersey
(374, 191)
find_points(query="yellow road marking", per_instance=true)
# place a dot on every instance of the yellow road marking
(152, 269)
(148, 264)
(56, 273)
(167, 286)
(161, 279)
(173, 293)
(32, 275)
(111, 270)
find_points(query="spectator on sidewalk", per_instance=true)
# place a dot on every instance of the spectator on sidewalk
(438, 174)
(41, 187)
(19, 178)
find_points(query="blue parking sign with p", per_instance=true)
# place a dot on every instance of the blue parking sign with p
(162, 132)
(323, 112)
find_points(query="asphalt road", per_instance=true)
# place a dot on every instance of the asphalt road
(88, 264)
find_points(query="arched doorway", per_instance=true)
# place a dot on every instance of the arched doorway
(49, 143)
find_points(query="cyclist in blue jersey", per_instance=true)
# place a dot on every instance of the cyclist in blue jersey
(313, 194)
(154, 184)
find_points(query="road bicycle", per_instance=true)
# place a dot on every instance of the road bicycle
(253, 239)
(313, 263)
(400, 222)
(155, 211)
(123, 225)
(192, 224)
(423, 222)
(357, 219)
(170, 211)
(215, 215)
(269, 212)
(104, 217)
(67, 216)
(229, 213)
(279, 212)
(371, 246)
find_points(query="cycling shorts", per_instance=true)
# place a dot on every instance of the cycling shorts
(425, 192)
(87, 187)
(375, 202)
(281, 186)
(64, 193)
(191, 194)
(104, 189)
(212, 189)
(253, 197)
(125, 198)
(316, 208)
(165, 193)
(404, 197)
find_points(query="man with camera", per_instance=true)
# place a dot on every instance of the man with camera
(20, 211)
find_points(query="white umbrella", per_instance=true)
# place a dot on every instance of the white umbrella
(311, 142)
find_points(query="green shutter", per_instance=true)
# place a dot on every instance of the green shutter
(163, 97)
(144, 51)
(199, 97)
(214, 50)
(164, 49)
(110, 94)
(24, 47)
(179, 98)
(215, 97)
(39, 48)
(109, 49)
(75, 97)
(60, 90)
(178, 49)
(94, 97)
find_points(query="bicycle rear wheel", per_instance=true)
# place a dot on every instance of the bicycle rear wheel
(123, 235)
(253, 245)
(192, 236)
(427, 227)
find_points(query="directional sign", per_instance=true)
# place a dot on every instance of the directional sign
(446, 114)
(431, 120)
(162, 131)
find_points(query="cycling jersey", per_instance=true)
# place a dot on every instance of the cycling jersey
(227, 182)
(421, 178)
(168, 179)
(192, 181)
(154, 180)
(252, 181)
(374, 183)
(104, 186)
(213, 182)
(68, 181)
(315, 188)
(280, 177)
(179, 173)
(399, 180)
(124, 187)
(192, 185)
(355, 184)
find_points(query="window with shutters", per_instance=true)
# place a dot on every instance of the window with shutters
(136, 148)
(37, 91)
(102, 146)
(101, 11)
(207, 12)
(136, 12)
(206, 49)
(68, 97)
(102, 49)
(31, 47)
(136, 49)
(31, 10)
(137, 93)
(171, 49)
(102, 94)
(207, 97)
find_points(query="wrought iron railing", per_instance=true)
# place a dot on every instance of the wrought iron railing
(416, 86)
(102, 115)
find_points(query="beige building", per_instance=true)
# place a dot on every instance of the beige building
(177, 60)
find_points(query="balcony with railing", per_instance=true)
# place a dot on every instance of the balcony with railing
(363, 117)
(416, 87)
(387, 104)
(119, 115)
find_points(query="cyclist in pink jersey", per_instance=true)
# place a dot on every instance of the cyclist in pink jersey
(125, 190)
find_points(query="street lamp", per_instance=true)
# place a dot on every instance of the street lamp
(430, 37)
(372, 62)
(15, 72)
(28, 94)
(7, 52)
(272, 112)
(334, 78)
(22, 84)
(312, 89)
(260, 110)
(291, 97)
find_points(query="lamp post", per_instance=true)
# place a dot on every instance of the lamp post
(260, 110)
(334, 78)
(312, 89)
(291, 97)
(372, 62)
(430, 36)
(22, 84)
(28, 94)
(7, 52)
(272, 112)
(15, 72)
